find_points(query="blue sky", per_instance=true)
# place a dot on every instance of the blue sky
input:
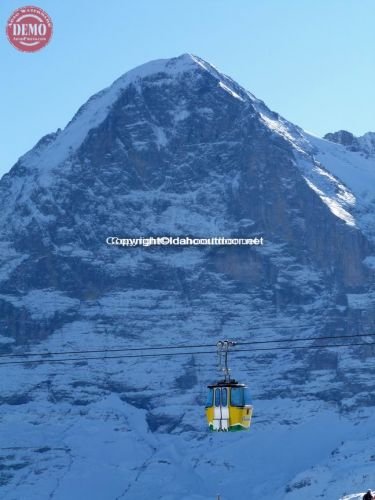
(313, 61)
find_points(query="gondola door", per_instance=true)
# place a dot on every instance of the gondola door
(217, 409)
(221, 409)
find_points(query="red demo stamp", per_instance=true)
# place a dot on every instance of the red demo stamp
(29, 29)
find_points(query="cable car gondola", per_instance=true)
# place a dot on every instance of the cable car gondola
(228, 406)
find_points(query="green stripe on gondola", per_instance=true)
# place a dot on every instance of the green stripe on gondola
(232, 428)
(237, 427)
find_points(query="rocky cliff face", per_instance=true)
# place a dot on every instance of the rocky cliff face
(177, 148)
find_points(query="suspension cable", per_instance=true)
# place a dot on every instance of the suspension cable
(188, 346)
(171, 354)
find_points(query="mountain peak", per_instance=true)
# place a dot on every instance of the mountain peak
(174, 65)
(95, 110)
(364, 144)
(171, 66)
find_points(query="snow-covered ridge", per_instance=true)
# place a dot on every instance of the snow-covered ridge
(344, 179)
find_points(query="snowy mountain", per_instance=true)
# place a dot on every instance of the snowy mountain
(176, 148)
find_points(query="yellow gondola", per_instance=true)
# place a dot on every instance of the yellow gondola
(228, 406)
